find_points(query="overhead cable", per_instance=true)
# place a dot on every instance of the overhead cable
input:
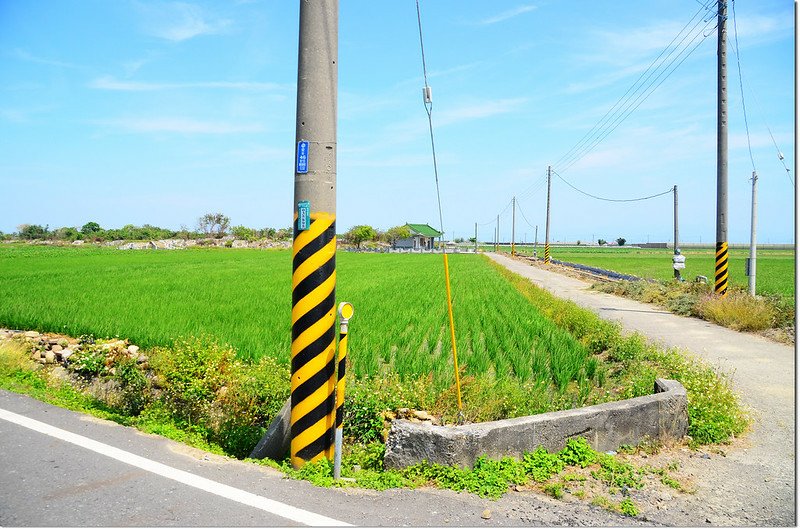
(428, 101)
(741, 86)
(634, 97)
(670, 190)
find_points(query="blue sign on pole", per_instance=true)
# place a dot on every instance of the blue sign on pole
(303, 215)
(302, 156)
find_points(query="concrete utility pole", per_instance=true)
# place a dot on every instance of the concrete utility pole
(721, 266)
(513, 222)
(476, 236)
(535, 240)
(313, 381)
(675, 225)
(497, 234)
(675, 218)
(547, 224)
(751, 282)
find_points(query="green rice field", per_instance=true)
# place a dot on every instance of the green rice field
(243, 298)
(775, 272)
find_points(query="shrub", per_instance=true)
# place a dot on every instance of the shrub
(738, 311)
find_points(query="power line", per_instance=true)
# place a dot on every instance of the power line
(524, 217)
(428, 101)
(741, 87)
(633, 98)
(670, 190)
(636, 103)
(772, 137)
(604, 119)
(494, 219)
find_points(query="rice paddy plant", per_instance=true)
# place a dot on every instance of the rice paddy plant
(243, 298)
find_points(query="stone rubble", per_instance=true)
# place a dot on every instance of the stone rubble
(48, 348)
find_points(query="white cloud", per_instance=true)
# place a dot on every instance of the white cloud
(505, 15)
(180, 21)
(479, 111)
(24, 55)
(110, 83)
(180, 125)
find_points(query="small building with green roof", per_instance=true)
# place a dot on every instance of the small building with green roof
(422, 237)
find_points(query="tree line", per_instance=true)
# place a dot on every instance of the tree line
(210, 225)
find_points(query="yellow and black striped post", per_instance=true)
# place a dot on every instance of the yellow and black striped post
(721, 269)
(547, 253)
(313, 340)
(313, 379)
(346, 312)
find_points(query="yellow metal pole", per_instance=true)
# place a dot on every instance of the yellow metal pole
(452, 331)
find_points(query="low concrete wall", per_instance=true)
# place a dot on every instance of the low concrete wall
(662, 416)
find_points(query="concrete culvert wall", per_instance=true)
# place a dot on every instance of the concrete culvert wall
(662, 416)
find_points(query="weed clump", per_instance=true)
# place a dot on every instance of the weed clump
(738, 311)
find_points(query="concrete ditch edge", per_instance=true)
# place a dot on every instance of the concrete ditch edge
(663, 416)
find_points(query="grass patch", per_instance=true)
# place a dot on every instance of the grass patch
(738, 310)
(776, 268)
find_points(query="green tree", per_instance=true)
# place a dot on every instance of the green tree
(32, 231)
(396, 233)
(621, 241)
(284, 234)
(601, 242)
(244, 233)
(66, 233)
(90, 229)
(358, 234)
(214, 224)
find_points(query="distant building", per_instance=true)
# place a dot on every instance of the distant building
(422, 237)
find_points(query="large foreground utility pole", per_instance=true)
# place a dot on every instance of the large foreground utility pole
(547, 224)
(721, 268)
(313, 380)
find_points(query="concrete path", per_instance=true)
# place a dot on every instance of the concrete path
(752, 485)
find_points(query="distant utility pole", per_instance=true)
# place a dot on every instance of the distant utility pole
(675, 225)
(497, 234)
(476, 236)
(721, 267)
(513, 222)
(313, 380)
(751, 268)
(547, 225)
(535, 240)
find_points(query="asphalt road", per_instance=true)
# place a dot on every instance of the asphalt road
(119, 477)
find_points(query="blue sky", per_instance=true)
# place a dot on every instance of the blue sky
(134, 112)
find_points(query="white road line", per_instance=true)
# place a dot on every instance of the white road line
(253, 500)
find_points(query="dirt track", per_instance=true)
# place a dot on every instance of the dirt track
(751, 482)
